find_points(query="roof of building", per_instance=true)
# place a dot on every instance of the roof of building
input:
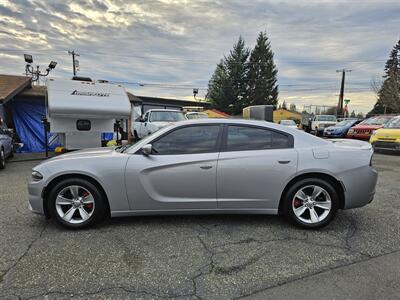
(11, 85)
(282, 110)
(214, 113)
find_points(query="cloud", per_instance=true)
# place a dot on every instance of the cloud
(179, 42)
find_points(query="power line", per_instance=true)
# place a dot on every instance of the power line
(171, 59)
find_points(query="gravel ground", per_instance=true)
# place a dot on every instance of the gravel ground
(208, 257)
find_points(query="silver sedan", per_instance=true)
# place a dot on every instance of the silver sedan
(208, 166)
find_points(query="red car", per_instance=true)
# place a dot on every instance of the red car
(364, 130)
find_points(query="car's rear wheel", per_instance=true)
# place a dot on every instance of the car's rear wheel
(2, 159)
(76, 203)
(310, 203)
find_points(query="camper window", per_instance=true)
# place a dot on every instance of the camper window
(83, 125)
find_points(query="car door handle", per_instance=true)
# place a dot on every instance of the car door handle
(205, 167)
(283, 161)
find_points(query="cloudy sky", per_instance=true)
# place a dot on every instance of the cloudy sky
(172, 46)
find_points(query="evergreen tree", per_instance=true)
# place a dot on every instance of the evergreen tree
(284, 105)
(360, 115)
(262, 74)
(227, 86)
(218, 88)
(236, 68)
(353, 114)
(389, 93)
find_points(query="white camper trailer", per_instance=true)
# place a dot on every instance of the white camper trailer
(80, 111)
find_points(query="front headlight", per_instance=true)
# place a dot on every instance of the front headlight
(351, 131)
(36, 176)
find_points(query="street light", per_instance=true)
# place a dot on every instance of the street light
(28, 58)
(52, 64)
(36, 74)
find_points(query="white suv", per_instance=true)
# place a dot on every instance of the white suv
(155, 119)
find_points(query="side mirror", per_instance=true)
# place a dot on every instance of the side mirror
(146, 149)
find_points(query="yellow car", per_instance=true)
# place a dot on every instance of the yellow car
(388, 137)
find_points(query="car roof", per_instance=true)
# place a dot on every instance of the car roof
(301, 138)
(162, 109)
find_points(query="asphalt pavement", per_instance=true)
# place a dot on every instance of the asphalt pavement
(201, 257)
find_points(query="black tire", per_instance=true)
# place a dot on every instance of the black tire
(288, 198)
(99, 209)
(2, 159)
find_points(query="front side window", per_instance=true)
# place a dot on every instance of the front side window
(188, 140)
(243, 138)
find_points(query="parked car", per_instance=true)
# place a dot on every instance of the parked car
(388, 137)
(208, 166)
(288, 123)
(363, 130)
(320, 122)
(340, 129)
(155, 119)
(196, 115)
(6, 145)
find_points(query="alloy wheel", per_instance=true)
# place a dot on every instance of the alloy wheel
(75, 204)
(311, 204)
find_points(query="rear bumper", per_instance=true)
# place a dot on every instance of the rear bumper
(359, 186)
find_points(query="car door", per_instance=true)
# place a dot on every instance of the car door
(179, 174)
(254, 165)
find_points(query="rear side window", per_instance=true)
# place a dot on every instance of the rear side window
(242, 138)
(188, 140)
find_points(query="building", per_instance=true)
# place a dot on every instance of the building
(284, 114)
(23, 108)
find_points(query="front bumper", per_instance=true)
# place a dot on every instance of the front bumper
(35, 197)
(358, 136)
(385, 145)
(359, 186)
(333, 134)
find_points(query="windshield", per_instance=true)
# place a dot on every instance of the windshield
(375, 121)
(325, 118)
(166, 116)
(345, 122)
(125, 148)
(393, 123)
(288, 122)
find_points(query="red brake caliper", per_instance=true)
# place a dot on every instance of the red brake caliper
(88, 205)
(297, 203)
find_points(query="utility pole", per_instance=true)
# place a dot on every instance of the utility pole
(73, 53)
(341, 95)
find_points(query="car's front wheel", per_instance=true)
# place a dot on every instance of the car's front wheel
(76, 203)
(310, 203)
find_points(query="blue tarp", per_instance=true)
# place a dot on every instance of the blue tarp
(29, 127)
(107, 136)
